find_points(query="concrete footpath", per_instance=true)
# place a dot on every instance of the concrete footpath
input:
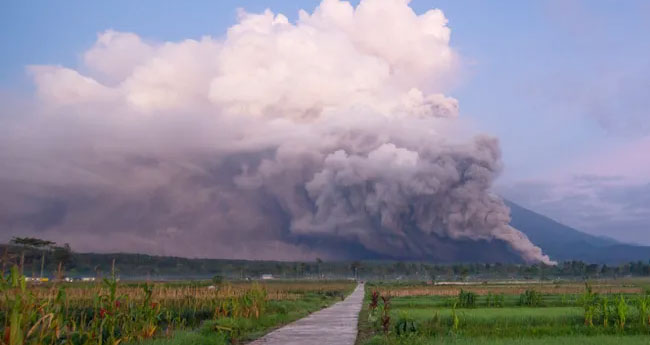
(335, 325)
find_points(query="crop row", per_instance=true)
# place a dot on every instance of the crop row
(111, 313)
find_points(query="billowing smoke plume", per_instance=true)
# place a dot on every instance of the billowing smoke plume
(329, 137)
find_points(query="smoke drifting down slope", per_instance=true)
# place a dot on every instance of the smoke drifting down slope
(328, 137)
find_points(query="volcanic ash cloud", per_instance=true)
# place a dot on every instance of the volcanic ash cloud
(323, 137)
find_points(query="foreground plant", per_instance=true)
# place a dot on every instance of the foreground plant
(113, 320)
(642, 305)
(455, 321)
(385, 311)
(405, 325)
(605, 310)
(621, 312)
(590, 303)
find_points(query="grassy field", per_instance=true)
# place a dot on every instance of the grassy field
(607, 312)
(110, 312)
(240, 330)
(562, 340)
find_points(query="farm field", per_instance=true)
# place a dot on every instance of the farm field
(110, 312)
(602, 312)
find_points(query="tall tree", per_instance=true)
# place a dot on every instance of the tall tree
(31, 243)
(354, 266)
(318, 263)
(63, 254)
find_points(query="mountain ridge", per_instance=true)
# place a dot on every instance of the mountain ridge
(562, 242)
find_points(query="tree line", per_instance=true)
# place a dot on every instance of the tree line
(39, 258)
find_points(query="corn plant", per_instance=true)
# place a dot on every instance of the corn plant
(18, 303)
(589, 302)
(530, 298)
(642, 305)
(621, 312)
(258, 299)
(455, 321)
(109, 313)
(148, 313)
(466, 299)
(492, 300)
(605, 310)
(499, 300)
(251, 304)
(30, 321)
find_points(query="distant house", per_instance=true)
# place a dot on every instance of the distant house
(267, 276)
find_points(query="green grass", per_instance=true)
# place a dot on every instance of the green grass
(548, 300)
(498, 325)
(561, 340)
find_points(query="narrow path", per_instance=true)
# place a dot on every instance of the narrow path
(335, 325)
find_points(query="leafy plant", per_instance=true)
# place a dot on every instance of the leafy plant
(621, 312)
(605, 310)
(530, 298)
(455, 323)
(405, 325)
(590, 303)
(431, 326)
(499, 300)
(385, 311)
(642, 305)
(466, 299)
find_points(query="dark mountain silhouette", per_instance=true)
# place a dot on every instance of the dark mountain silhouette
(562, 243)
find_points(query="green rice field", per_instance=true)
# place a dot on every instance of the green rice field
(607, 312)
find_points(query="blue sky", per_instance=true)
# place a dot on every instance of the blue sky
(562, 84)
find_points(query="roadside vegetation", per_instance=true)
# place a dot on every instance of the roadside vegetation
(109, 312)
